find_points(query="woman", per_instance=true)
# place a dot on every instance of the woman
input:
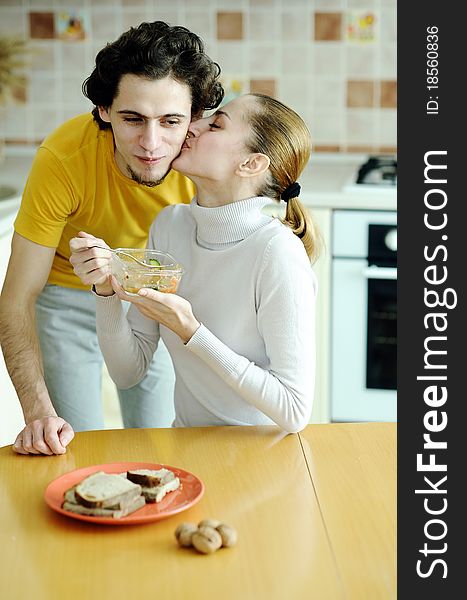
(240, 329)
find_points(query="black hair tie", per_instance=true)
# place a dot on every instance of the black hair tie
(291, 191)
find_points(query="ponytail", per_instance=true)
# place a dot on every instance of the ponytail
(303, 226)
(281, 134)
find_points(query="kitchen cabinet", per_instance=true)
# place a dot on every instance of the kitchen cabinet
(322, 268)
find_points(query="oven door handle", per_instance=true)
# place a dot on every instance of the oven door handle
(375, 272)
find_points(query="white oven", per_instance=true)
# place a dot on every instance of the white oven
(364, 316)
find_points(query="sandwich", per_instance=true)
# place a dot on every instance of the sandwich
(104, 495)
(155, 484)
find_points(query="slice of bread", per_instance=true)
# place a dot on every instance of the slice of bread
(104, 490)
(156, 494)
(112, 513)
(70, 496)
(150, 478)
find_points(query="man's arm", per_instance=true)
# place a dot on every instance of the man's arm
(28, 270)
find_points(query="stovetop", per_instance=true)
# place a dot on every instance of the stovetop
(377, 173)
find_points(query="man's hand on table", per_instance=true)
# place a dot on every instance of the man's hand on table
(47, 435)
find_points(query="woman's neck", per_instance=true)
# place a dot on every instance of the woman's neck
(211, 194)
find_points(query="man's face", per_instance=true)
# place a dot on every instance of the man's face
(149, 121)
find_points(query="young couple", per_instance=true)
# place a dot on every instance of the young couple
(240, 330)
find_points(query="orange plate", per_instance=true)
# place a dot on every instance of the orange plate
(189, 493)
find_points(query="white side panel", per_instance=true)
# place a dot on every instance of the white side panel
(350, 230)
(350, 399)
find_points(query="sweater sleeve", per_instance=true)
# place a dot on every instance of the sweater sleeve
(127, 344)
(286, 298)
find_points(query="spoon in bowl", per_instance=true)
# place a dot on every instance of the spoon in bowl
(123, 253)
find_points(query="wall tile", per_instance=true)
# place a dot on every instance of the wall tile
(14, 22)
(264, 3)
(297, 60)
(297, 3)
(74, 4)
(70, 92)
(205, 5)
(388, 61)
(41, 25)
(388, 27)
(328, 59)
(232, 57)
(70, 111)
(45, 120)
(327, 26)
(296, 26)
(43, 89)
(73, 57)
(365, 4)
(133, 18)
(200, 23)
(263, 86)
(295, 93)
(388, 94)
(330, 94)
(326, 148)
(360, 94)
(388, 127)
(327, 128)
(361, 128)
(264, 60)
(329, 4)
(361, 148)
(17, 123)
(104, 25)
(263, 26)
(115, 4)
(361, 62)
(229, 25)
(43, 56)
(169, 14)
(295, 49)
(19, 92)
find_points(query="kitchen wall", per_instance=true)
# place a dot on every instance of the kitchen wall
(334, 61)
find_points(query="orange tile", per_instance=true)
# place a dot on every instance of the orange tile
(389, 94)
(387, 150)
(263, 86)
(361, 149)
(41, 25)
(327, 148)
(360, 94)
(328, 26)
(229, 26)
(19, 91)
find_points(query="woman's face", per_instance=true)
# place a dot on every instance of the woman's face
(216, 144)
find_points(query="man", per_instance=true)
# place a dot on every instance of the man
(109, 174)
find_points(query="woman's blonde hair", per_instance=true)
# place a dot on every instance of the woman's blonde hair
(281, 134)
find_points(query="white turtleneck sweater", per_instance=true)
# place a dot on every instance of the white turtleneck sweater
(251, 286)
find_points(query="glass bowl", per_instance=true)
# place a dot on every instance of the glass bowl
(163, 272)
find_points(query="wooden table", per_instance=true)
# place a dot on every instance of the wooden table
(315, 514)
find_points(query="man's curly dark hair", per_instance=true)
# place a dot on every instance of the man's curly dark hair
(155, 50)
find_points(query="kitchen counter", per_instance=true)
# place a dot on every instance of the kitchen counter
(315, 514)
(13, 174)
(328, 182)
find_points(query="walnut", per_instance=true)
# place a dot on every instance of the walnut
(206, 540)
(184, 534)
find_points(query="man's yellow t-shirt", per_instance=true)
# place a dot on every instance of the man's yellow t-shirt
(75, 185)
